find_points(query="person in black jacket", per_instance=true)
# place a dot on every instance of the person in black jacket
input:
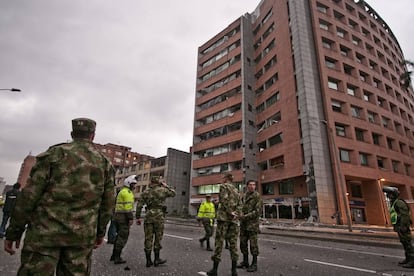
(8, 207)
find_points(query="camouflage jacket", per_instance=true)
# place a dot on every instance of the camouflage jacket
(251, 210)
(229, 202)
(154, 198)
(69, 197)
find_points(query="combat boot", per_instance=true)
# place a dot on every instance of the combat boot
(117, 257)
(410, 264)
(157, 260)
(245, 262)
(208, 245)
(213, 271)
(234, 268)
(253, 266)
(148, 257)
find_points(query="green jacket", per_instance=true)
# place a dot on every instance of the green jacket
(154, 198)
(252, 205)
(68, 199)
(229, 202)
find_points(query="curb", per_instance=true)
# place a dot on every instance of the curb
(378, 239)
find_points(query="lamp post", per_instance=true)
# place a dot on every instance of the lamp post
(11, 89)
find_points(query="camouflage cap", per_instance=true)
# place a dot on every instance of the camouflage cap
(155, 179)
(84, 125)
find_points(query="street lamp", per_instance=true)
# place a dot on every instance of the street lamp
(11, 89)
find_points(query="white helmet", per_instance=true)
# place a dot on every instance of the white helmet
(130, 180)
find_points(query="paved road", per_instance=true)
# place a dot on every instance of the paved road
(279, 255)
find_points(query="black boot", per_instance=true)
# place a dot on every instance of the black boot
(202, 241)
(213, 272)
(227, 245)
(208, 245)
(157, 260)
(253, 267)
(245, 262)
(117, 257)
(148, 257)
(234, 268)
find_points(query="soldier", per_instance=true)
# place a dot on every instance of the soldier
(249, 225)
(206, 215)
(154, 198)
(66, 204)
(227, 224)
(123, 217)
(401, 220)
(11, 197)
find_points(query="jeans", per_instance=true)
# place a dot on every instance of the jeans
(6, 217)
(112, 232)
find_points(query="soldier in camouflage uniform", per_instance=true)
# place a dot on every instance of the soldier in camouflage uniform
(66, 204)
(154, 198)
(249, 225)
(228, 211)
(401, 220)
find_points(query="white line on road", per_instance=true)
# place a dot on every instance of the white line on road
(342, 266)
(333, 248)
(202, 273)
(178, 237)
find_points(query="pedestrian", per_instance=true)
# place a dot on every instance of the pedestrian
(123, 217)
(66, 206)
(249, 226)
(10, 202)
(227, 224)
(401, 221)
(206, 215)
(112, 231)
(154, 198)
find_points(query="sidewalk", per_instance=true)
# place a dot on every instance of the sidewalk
(369, 235)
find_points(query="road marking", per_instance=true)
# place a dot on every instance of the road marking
(178, 237)
(202, 273)
(333, 248)
(342, 266)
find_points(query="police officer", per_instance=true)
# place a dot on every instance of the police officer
(154, 198)
(206, 214)
(249, 226)
(227, 224)
(401, 220)
(123, 217)
(67, 204)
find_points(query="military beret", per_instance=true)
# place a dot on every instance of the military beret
(83, 125)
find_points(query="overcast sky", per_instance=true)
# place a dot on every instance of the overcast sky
(130, 65)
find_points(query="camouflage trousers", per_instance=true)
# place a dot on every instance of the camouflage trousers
(44, 261)
(122, 235)
(405, 239)
(247, 237)
(153, 235)
(226, 231)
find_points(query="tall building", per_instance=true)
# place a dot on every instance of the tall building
(24, 173)
(305, 97)
(121, 156)
(174, 168)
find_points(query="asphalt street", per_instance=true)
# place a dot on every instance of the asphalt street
(280, 255)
